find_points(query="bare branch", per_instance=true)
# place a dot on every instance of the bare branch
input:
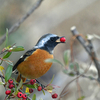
(16, 25)
(89, 48)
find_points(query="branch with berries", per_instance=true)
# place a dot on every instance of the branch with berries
(14, 89)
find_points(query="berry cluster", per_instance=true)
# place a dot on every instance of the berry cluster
(10, 81)
(32, 81)
(10, 86)
(39, 88)
(19, 94)
(23, 95)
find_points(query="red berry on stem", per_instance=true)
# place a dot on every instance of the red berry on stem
(63, 39)
(39, 88)
(55, 95)
(11, 86)
(30, 90)
(10, 81)
(19, 95)
(7, 92)
(32, 81)
(24, 96)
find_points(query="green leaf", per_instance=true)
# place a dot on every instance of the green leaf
(35, 86)
(31, 86)
(49, 87)
(71, 74)
(65, 71)
(77, 66)
(15, 86)
(20, 84)
(6, 37)
(34, 97)
(52, 79)
(18, 48)
(8, 73)
(43, 91)
(7, 55)
(74, 66)
(54, 61)
(81, 98)
(90, 77)
(1, 83)
(66, 57)
(71, 66)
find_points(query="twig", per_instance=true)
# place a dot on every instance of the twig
(89, 48)
(6, 50)
(79, 75)
(78, 88)
(16, 25)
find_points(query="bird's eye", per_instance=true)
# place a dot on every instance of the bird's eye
(51, 39)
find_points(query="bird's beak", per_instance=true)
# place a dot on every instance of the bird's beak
(59, 40)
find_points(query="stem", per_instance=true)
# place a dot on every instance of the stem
(17, 24)
(88, 47)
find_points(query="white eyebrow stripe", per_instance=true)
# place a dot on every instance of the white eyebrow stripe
(21, 56)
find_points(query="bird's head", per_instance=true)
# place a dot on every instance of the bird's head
(49, 41)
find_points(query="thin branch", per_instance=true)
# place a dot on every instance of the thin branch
(89, 48)
(6, 49)
(79, 75)
(16, 25)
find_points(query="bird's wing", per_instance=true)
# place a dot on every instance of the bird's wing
(22, 58)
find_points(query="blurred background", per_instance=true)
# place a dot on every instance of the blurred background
(57, 17)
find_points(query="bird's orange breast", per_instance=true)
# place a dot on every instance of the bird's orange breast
(35, 66)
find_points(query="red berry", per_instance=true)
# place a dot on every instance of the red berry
(63, 39)
(55, 95)
(39, 88)
(32, 81)
(10, 81)
(19, 95)
(11, 86)
(24, 96)
(30, 90)
(7, 92)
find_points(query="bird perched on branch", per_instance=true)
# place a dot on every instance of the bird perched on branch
(32, 64)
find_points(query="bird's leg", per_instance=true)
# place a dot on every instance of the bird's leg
(20, 77)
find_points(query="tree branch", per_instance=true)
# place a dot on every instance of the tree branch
(16, 25)
(88, 47)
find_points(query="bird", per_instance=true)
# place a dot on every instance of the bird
(32, 64)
